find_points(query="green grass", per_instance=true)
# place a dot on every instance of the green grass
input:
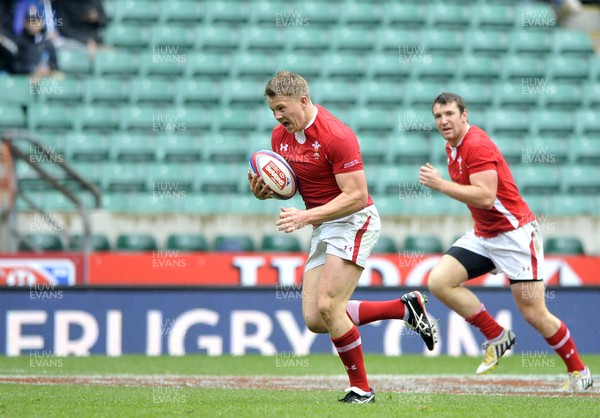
(102, 401)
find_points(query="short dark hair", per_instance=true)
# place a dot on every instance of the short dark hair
(445, 98)
(287, 83)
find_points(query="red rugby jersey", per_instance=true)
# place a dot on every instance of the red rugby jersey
(476, 153)
(325, 148)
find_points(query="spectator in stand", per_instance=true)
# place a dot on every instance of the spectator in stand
(81, 22)
(36, 55)
(8, 47)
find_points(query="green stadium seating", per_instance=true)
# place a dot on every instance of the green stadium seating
(581, 179)
(309, 39)
(264, 39)
(387, 67)
(187, 242)
(16, 90)
(493, 16)
(552, 123)
(255, 66)
(405, 15)
(75, 62)
(222, 178)
(362, 15)
(50, 118)
(41, 242)
(93, 172)
(373, 121)
(179, 149)
(476, 68)
(448, 16)
(487, 42)
(530, 43)
(243, 93)
(171, 38)
(572, 43)
(158, 202)
(537, 178)
(564, 246)
(115, 63)
(594, 68)
(477, 95)
(442, 42)
(86, 147)
(380, 93)
(197, 92)
(408, 149)
(128, 36)
(97, 118)
(334, 92)
(267, 12)
(561, 96)
(143, 118)
(344, 66)
(399, 181)
(385, 245)
(233, 243)
(422, 244)
(567, 69)
(101, 90)
(137, 11)
(217, 39)
(373, 149)
(440, 69)
(516, 94)
(126, 178)
(584, 150)
(221, 13)
(518, 68)
(307, 64)
(225, 149)
(394, 40)
(430, 203)
(147, 91)
(136, 242)
(165, 62)
(588, 122)
(280, 243)
(129, 148)
(317, 13)
(570, 205)
(182, 12)
(99, 242)
(354, 40)
(550, 150)
(591, 96)
(507, 122)
(11, 117)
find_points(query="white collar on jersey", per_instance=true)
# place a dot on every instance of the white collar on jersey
(453, 153)
(300, 137)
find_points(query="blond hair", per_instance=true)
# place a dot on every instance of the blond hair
(287, 83)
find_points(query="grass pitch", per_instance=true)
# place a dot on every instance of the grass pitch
(156, 398)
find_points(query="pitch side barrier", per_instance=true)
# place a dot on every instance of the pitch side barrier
(61, 321)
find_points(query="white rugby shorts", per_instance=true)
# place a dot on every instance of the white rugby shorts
(352, 238)
(519, 253)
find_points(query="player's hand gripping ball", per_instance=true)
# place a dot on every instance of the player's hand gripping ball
(275, 172)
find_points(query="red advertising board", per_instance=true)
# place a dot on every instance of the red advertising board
(175, 268)
(270, 269)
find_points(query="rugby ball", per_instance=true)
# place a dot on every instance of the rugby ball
(275, 172)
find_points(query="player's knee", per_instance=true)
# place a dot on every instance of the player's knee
(437, 282)
(315, 324)
(325, 306)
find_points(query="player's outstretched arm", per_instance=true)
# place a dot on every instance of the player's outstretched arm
(480, 193)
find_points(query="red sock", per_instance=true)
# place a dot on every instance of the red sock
(563, 344)
(364, 311)
(486, 324)
(349, 348)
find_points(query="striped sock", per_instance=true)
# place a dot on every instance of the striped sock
(364, 311)
(486, 324)
(563, 344)
(349, 348)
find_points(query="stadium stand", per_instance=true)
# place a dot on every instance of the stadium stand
(177, 98)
